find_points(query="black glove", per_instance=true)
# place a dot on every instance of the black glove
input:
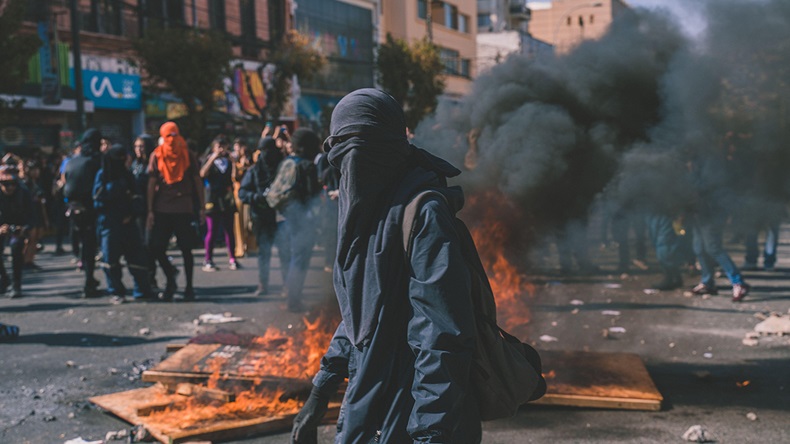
(305, 429)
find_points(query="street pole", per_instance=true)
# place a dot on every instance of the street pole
(75, 48)
(429, 20)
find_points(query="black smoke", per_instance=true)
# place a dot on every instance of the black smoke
(644, 117)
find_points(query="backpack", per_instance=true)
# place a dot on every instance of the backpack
(505, 372)
(296, 181)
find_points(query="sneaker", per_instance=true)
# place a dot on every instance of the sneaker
(170, 289)
(189, 294)
(260, 291)
(668, 283)
(702, 289)
(233, 265)
(15, 293)
(739, 291)
(209, 266)
(771, 267)
(749, 266)
(117, 300)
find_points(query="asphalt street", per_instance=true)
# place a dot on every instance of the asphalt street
(72, 349)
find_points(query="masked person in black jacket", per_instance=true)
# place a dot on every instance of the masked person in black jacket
(407, 336)
(80, 173)
(15, 215)
(118, 200)
(264, 218)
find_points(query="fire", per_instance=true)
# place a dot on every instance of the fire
(491, 237)
(275, 354)
(550, 375)
(742, 384)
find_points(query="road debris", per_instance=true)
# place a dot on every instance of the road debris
(616, 330)
(751, 416)
(145, 331)
(547, 338)
(610, 313)
(698, 433)
(750, 342)
(614, 286)
(577, 302)
(80, 440)
(776, 324)
(217, 318)
(649, 291)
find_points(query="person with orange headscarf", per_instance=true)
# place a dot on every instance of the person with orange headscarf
(175, 200)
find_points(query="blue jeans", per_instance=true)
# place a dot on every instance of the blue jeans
(708, 235)
(300, 230)
(265, 238)
(666, 242)
(124, 240)
(771, 243)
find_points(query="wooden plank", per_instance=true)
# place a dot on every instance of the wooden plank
(187, 389)
(126, 405)
(600, 380)
(172, 348)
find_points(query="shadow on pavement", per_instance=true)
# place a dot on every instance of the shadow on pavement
(634, 306)
(86, 340)
(37, 307)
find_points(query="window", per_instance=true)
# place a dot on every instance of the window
(592, 19)
(104, 17)
(569, 21)
(446, 14)
(483, 21)
(164, 12)
(466, 67)
(449, 58)
(249, 46)
(216, 14)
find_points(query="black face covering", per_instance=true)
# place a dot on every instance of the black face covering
(369, 146)
(90, 142)
(114, 162)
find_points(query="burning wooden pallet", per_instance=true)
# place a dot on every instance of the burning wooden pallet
(211, 391)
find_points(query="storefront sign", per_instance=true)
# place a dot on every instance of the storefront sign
(113, 91)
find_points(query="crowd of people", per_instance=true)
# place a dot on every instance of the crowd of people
(116, 202)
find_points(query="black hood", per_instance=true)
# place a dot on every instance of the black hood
(90, 142)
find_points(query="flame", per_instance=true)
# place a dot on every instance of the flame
(274, 354)
(743, 384)
(550, 375)
(491, 236)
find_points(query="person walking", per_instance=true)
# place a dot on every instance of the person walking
(143, 146)
(217, 173)
(264, 218)
(79, 174)
(117, 201)
(15, 217)
(39, 222)
(297, 185)
(408, 332)
(174, 198)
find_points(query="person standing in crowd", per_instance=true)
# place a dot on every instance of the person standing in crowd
(297, 182)
(264, 218)
(175, 195)
(68, 220)
(39, 220)
(57, 204)
(15, 214)
(143, 146)
(407, 336)
(708, 228)
(217, 173)
(79, 174)
(117, 201)
(242, 161)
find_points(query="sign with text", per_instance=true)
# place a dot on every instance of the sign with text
(112, 91)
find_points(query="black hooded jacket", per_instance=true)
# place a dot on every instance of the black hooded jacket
(407, 336)
(81, 171)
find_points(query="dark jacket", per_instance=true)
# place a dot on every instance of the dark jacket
(114, 198)
(80, 175)
(16, 209)
(255, 182)
(410, 381)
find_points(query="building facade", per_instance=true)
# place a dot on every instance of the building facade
(116, 100)
(503, 29)
(566, 23)
(453, 26)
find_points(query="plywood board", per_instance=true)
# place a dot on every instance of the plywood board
(126, 405)
(600, 380)
(195, 363)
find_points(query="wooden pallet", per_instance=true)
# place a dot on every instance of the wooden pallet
(134, 405)
(598, 380)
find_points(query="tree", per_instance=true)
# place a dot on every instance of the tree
(15, 51)
(412, 75)
(292, 57)
(191, 64)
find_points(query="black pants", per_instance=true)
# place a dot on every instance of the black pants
(165, 226)
(17, 245)
(85, 235)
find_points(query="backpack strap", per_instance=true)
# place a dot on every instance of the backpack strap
(410, 216)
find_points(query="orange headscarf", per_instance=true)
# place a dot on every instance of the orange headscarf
(172, 155)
